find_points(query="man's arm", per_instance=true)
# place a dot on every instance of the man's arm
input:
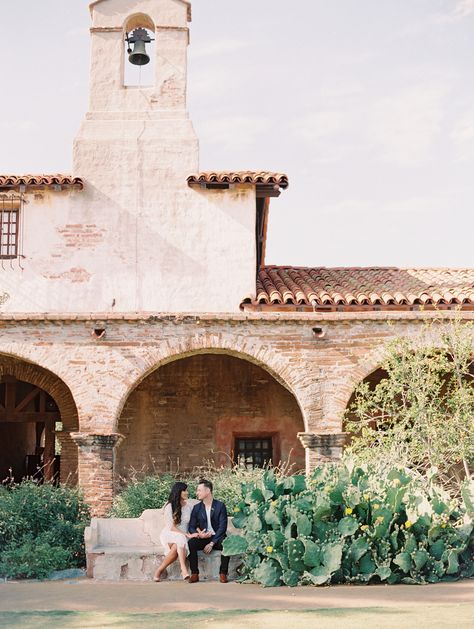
(222, 526)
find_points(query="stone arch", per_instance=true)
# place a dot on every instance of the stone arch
(174, 349)
(46, 380)
(32, 373)
(371, 362)
(208, 405)
(137, 20)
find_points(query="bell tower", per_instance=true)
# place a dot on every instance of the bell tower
(132, 131)
(151, 242)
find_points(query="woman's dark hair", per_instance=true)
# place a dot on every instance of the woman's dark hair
(175, 500)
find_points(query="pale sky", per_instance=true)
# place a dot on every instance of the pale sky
(367, 105)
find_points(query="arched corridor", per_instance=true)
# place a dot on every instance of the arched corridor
(208, 407)
(35, 408)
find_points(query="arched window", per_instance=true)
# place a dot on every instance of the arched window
(139, 36)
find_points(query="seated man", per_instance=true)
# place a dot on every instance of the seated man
(209, 521)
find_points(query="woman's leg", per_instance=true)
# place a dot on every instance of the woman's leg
(182, 561)
(167, 561)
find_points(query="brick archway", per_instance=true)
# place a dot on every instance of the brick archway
(277, 365)
(44, 379)
(208, 406)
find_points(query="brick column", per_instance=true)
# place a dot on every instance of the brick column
(322, 447)
(96, 469)
(68, 467)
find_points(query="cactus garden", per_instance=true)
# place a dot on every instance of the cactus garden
(352, 524)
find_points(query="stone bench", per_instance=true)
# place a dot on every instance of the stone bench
(130, 549)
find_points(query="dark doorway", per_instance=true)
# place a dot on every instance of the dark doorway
(28, 417)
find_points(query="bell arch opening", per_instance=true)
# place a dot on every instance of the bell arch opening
(37, 413)
(208, 407)
(139, 51)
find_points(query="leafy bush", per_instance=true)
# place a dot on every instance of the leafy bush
(34, 558)
(41, 529)
(421, 415)
(151, 492)
(352, 523)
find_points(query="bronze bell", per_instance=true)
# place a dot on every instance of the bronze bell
(139, 56)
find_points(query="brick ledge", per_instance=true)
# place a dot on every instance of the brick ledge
(260, 317)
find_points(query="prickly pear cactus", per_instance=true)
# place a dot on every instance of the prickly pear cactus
(352, 523)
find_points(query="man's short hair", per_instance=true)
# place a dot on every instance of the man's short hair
(206, 483)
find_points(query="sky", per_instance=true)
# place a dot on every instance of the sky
(367, 106)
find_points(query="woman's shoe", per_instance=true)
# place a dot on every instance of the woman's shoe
(157, 577)
(186, 578)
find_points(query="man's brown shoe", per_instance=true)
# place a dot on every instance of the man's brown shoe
(223, 578)
(194, 578)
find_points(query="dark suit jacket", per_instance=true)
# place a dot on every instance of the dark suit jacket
(218, 520)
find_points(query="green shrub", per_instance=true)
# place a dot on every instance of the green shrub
(33, 558)
(420, 415)
(355, 524)
(41, 529)
(151, 492)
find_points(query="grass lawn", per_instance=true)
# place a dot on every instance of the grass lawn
(439, 616)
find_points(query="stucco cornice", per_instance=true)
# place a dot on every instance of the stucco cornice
(251, 317)
(188, 6)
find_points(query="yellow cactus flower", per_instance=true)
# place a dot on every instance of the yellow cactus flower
(443, 526)
(348, 511)
(376, 506)
(408, 524)
(396, 482)
(364, 527)
(366, 497)
(274, 502)
(236, 509)
(379, 520)
(269, 549)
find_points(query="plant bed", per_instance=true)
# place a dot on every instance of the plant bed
(352, 524)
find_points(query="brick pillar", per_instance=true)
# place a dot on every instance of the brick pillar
(96, 469)
(322, 447)
(68, 467)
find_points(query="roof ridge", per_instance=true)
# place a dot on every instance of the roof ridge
(369, 268)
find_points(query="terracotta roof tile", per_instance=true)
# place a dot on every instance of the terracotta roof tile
(364, 287)
(241, 177)
(40, 181)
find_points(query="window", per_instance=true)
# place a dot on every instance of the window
(253, 451)
(9, 227)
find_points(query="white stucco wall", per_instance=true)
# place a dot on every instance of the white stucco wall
(185, 250)
(137, 238)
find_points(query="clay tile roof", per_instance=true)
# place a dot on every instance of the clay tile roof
(366, 287)
(40, 181)
(241, 177)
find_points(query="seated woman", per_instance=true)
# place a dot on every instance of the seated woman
(174, 535)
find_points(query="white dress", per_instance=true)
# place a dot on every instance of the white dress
(168, 536)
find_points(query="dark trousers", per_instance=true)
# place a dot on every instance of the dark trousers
(196, 544)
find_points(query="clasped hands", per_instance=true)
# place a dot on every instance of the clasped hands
(202, 535)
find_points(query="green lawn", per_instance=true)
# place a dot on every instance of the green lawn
(442, 616)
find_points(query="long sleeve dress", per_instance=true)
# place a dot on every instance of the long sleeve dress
(168, 536)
